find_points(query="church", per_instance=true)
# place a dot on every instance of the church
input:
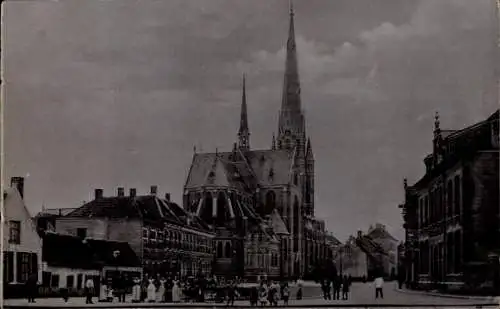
(260, 203)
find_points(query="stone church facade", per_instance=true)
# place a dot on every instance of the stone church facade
(260, 203)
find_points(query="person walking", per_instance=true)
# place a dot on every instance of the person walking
(231, 292)
(136, 290)
(379, 284)
(300, 284)
(151, 291)
(32, 287)
(89, 290)
(254, 296)
(285, 291)
(337, 283)
(176, 292)
(345, 288)
(263, 295)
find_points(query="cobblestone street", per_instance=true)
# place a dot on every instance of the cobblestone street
(361, 294)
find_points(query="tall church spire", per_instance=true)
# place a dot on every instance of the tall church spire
(244, 132)
(291, 120)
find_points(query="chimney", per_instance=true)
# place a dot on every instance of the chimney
(121, 192)
(167, 197)
(154, 190)
(18, 182)
(133, 192)
(98, 194)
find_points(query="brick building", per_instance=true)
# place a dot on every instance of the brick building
(166, 238)
(452, 213)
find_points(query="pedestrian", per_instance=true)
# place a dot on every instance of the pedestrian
(345, 288)
(176, 292)
(263, 295)
(328, 290)
(151, 291)
(231, 291)
(136, 290)
(300, 283)
(286, 294)
(103, 290)
(89, 290)
(337, 283)
(379, 284)
(161, 290)
(254, 296)
(32, 287)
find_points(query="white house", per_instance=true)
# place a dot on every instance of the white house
(22, 246)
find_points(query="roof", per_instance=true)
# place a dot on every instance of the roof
(277, 224)
(242, 170)
(146, 207)
(379, 233)
(73, 252)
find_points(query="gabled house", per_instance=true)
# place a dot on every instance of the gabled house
(22, 246)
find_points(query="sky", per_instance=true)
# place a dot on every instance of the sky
(102, 94)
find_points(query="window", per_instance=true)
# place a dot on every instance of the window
(46, 278)
(227, 250)
(15, 232)
(81, 232)
(54, 282)
(295, 179)
(26, 265)
(219, 249)
(70, 281)
(8, 264)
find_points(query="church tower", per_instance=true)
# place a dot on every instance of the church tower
(291, 127)
(244, 132)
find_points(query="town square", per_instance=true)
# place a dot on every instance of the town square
(305, 153)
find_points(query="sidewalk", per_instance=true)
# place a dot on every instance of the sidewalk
(495, 299)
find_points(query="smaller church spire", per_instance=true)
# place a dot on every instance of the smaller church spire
(194, 148)
(244, 132)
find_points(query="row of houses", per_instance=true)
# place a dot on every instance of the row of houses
(452, 214)
(134, 236)
(369, 254)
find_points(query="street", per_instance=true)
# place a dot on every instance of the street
(361, 294)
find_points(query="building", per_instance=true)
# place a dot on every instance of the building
(389, 244)
(352, 260)
(451, 214)
(68, 261)
(167, 239)
(46, 219)
(21, 246)
(236, 192)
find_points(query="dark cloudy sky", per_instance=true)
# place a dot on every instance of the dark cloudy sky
(116, 93)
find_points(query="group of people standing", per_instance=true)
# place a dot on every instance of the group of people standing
(336, 285)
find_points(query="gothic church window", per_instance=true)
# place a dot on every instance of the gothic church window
(295, 179)
(219, 249)
(270, 201)
(206, 213)
(227, 250)
(222, 215)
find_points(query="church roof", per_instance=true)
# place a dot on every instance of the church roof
(264, 167)
(277, 224)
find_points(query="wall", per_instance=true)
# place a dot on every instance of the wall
(63, 272)
(101, 228)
